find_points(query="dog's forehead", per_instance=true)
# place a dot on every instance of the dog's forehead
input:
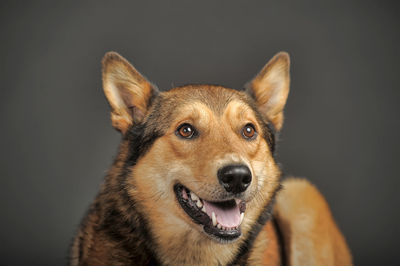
(171, 105)
(214, 97)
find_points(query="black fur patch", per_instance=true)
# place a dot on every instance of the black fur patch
(131, 228)
(280, 241)
(269, 136)
(129, 233)
(139, 142)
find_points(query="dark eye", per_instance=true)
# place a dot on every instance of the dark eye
(186, 131)
(249, 132)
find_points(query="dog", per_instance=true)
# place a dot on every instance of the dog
(196, 181)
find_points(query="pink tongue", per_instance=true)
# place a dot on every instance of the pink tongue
(226, 216)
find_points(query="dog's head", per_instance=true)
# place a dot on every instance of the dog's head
(199, 158)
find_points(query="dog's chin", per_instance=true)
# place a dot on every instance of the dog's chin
(218, 220)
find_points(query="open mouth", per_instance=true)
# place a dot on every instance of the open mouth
(220, 220)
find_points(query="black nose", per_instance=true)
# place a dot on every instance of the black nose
(234, 178)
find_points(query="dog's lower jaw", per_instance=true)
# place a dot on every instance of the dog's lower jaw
(192, 247)
(196, 248)
(182, 242)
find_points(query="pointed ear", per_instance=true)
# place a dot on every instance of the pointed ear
(270, 88)
(127, 91)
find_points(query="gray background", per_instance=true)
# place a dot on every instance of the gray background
(341, 129)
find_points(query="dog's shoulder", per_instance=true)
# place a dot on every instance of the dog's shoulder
(309, 232)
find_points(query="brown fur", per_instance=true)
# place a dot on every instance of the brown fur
(136, 218)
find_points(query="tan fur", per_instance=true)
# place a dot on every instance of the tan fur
(117, 220)
(311, 235)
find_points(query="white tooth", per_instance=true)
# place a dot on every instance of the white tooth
(214, 219)
(204, 209)
(219, 226)
(193, 196)
(241, 217)
(199, 204)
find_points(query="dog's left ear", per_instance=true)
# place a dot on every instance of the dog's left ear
(270, 88)
(127, 91)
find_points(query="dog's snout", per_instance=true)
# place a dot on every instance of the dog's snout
(234, 178)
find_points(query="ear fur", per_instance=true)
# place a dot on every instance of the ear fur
(127, 91)
(270, 88)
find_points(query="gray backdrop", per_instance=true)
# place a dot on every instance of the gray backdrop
(341, 129)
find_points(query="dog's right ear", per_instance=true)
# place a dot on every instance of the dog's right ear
(127, 91)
